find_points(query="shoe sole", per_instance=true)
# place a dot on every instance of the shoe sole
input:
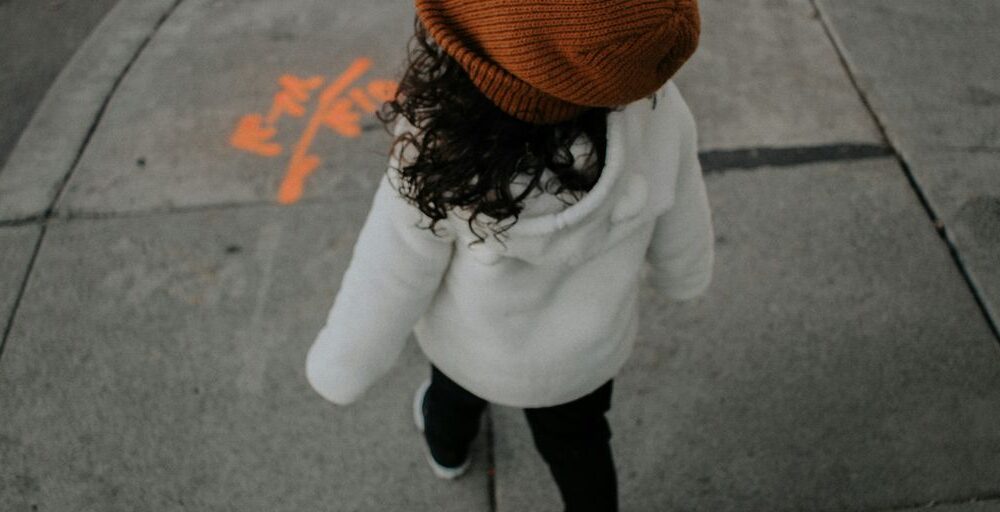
(440, 471)
(418, 402)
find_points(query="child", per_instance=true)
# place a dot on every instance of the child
(541, 156)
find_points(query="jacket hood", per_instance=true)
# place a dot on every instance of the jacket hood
(637, 183)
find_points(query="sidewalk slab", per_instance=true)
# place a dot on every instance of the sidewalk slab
(167, 138)
(766, 74)
(16, 247)
(838, 362)
(924, 69)
(964, 190)
(44, 155)
(945, 118)
(157, 363)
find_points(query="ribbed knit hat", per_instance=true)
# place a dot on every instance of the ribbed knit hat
(546, 61)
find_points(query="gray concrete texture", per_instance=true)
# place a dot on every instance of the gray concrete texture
(972, 506)
(931, 76)
(831, 366)
(46, 151)
(765, 74)
(181, 156)
(165, 140)
(839, 361)
(157, 364)
(16, 248)
(943, 117)
(964, 190)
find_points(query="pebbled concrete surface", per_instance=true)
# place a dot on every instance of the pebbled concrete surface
(981, 506)
(44, 155)
(964, 189)
(765, 74)
(837, 363)
(157, 364)
(953, 104)
(788, 90)
(165, 140)
(945, 118)
(16, 247)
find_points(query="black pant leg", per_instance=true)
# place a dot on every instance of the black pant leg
(451, 420)
(574, 440)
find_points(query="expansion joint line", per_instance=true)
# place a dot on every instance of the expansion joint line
(43, 219)
(60, 190)
(937, 222)
(20, 290)
(491, 462)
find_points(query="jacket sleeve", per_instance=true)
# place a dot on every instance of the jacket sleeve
(682, 252)
(394, 272)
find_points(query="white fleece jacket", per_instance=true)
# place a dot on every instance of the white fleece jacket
(553, 315)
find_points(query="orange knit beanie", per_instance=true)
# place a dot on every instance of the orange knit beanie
(546, 61)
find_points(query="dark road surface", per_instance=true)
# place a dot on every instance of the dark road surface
(37, 38)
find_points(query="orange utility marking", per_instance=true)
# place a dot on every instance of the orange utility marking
(382, 90)
(342, 119)
(335, 111)
(254, 132)
(303, 163)
(295, 91)
(362, 100)
(251, 135)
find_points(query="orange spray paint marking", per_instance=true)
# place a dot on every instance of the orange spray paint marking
(341, 119)
(330, 112)
(362, 99)
(295, 91)
(382, 90)
(252, 135)
(335, 111)
(254, 132)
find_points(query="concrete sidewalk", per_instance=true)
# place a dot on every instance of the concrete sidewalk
(175, 221)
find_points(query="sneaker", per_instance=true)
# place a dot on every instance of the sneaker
(445, 472)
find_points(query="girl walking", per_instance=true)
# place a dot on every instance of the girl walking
(542, 157)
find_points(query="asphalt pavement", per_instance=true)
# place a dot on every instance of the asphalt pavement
(37, 39)
(176, 218)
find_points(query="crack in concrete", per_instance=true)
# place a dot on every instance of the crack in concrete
(936, 221)
(60, 190)
(712, 160)
(491, 465)
(20, 291)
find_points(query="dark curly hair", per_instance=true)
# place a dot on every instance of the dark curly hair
(469, 151)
